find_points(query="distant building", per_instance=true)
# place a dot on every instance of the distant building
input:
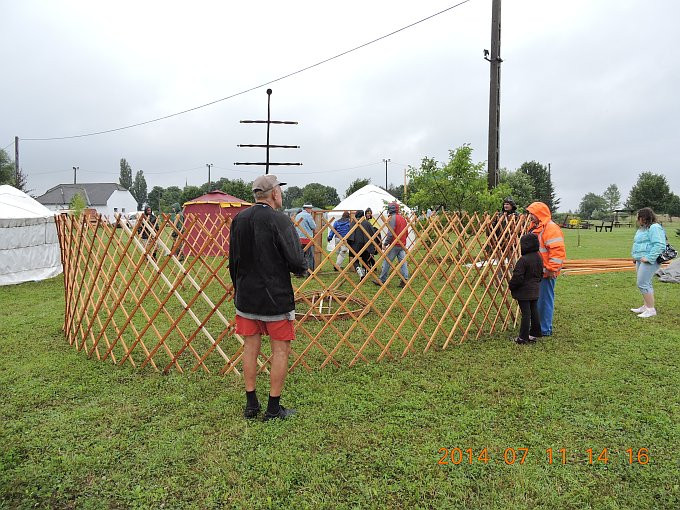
(107, 198)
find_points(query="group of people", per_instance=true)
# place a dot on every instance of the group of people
(266, 247)
(543, 254)
(361, 242)
(535, 274)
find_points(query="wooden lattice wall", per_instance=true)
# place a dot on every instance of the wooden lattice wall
(129, 300)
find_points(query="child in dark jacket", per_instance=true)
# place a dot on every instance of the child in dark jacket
(524, 286)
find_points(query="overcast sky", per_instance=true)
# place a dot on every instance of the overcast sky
(588, 86)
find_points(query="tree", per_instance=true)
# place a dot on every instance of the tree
(590, 203)
(8, 174)
(673, 205)
(459, 185)
(291, 196)
(138, 190)
(171, 195)
(125, 178)
(396, 191)
(613, 197)
(6, 169)
(21, 180)
(521, 187)
(155, 199)
(190, 192)
(77, 204)
(320, 195)
(650, 190)
(357, 184)
(238, 188)
(543, 187)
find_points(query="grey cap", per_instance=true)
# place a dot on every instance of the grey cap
(266, 182)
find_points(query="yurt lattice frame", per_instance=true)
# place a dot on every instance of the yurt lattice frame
(131, 300)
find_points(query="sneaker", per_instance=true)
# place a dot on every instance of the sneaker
(649, 312)
(638, 310)
(402, 284)
(378, 283)
(519, 340)
(532, 339)
(251, 412)
(281, 415)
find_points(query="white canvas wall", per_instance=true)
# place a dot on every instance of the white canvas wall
(29, 248)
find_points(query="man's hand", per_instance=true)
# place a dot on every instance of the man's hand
(644, 259)
(552, 274)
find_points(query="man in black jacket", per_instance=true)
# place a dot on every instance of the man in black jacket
(263, 250)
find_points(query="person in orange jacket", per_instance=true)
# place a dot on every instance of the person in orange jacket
(553, 252)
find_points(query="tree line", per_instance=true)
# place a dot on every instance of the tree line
(650, 190)
(460, 185)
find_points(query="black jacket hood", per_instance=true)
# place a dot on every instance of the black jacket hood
(529, 243)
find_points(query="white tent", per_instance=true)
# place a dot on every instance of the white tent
(377, 199)
(29, 248)
(369, 196)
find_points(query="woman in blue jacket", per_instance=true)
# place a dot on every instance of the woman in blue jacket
(649, 242)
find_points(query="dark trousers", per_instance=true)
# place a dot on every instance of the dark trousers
(365, 258)
(531, 322)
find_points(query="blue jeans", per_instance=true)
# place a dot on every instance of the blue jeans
(546, 305)
(397, 252)
(645, 272)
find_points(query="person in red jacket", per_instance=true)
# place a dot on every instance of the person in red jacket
(553, 252)
(395, 244)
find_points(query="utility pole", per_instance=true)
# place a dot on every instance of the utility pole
(403, 198)
(209, 165)
(494, 93)
(386, 161)
(16, 160)
(75, 170)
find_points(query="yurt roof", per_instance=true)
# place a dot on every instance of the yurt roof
(369, 196)
(15, 204)
(218, 197)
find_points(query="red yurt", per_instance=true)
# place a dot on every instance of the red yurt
(205, 221)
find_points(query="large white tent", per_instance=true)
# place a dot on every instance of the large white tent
(29, 248)
(369, 196)
(377, 199)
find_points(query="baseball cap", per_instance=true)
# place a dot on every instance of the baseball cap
(307, 206)
(266, 182)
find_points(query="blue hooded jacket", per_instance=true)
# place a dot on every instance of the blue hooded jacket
(649, 243)
(341, 226)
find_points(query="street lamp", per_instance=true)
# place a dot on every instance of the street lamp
(209, 165)
(75, 169)
(386, 161)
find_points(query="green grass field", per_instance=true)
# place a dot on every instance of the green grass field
(76, 433)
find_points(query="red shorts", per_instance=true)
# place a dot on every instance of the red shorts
(276, 330)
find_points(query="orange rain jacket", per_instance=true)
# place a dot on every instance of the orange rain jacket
(550, 238)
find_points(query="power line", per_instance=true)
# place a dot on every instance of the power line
(257, 172)
(10, 143)
(45, 172)
(256, 86)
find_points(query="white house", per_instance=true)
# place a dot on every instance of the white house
(107, 198)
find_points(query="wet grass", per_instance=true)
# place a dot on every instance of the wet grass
(77, 433)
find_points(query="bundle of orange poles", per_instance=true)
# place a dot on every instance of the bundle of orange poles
(592, 266)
